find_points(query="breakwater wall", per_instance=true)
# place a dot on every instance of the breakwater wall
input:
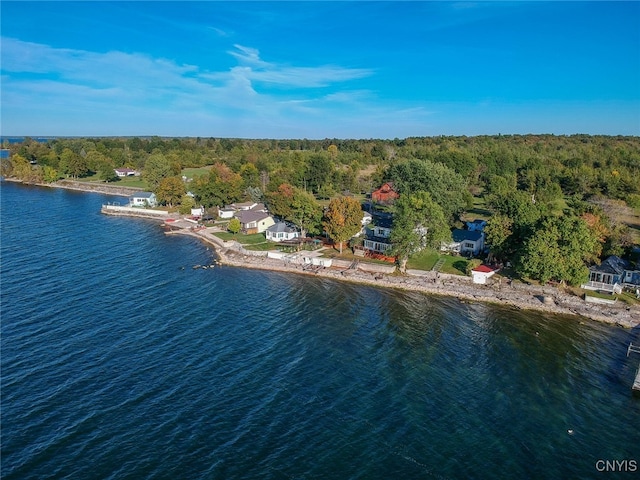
(133, 212)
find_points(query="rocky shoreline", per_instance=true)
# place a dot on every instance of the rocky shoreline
(520, 296)
(77, 186)
(517, 295)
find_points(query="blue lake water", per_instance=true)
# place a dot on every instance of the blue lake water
(121, 361)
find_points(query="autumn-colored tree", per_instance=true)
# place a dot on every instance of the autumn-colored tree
(221, 187)
(343, 219)
(170, 191)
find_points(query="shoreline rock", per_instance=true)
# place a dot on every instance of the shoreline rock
(104, 188)
(522, 297)
(543, 299)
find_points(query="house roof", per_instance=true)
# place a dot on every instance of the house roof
(244, 205)
(281, 227)
(248, 216)
(613, 265)
(483, 269)
(381, 219)
(459, 235)
(143, 195)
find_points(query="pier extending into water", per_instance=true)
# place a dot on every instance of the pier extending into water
(636, 383)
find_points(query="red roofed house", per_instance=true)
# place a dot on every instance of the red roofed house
(385, 194)
(481, 273)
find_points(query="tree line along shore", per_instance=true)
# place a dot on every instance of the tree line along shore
(518, 295)
(553, 205)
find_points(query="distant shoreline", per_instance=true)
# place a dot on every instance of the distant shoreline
(103, 188)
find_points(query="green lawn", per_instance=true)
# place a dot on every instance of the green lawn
(196, 172)
(131, 182)
(122, 182)
(426, 260)
(478, 211)
(254, 241)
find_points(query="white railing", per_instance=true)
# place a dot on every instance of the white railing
(605, 287)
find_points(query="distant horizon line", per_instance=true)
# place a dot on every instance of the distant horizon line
(53, 137)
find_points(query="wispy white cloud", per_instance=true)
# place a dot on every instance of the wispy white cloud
(123, 93)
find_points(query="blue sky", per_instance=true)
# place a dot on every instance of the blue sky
(319, 69)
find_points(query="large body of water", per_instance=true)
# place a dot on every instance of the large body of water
(121, 361)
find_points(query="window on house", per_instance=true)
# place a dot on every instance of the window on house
(469, 245)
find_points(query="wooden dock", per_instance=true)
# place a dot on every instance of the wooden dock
(636, 383)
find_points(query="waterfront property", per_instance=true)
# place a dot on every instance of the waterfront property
(377, 235)
(143, 199)
(254, 221)
(612, 275)
(465, 242)
(126, 172)
(280, 231)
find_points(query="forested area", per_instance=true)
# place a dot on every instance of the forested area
(554, 203)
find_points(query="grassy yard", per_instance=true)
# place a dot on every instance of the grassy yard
(121, 182)
(347, 254)
(195, 172)
(131, 182)
(478, 211)
(254, 241)
(427, 259)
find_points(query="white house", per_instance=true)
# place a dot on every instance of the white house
(143, 199)
(465, 242)
(281, 231)
(226, 212)
(377, 239)
(126, 172)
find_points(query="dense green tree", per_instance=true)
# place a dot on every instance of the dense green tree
(250, 175)
(446, 187)
(343, 219)
(498, 230)
(234, 226)
(297, 206)
(21, 168)
(73, 164)
(49, 174)
(559, 249)
(418, 222)
(156, 168)
(521, 209)
(306, 212)
(187, 202)
(106, 171)
(319, 170)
